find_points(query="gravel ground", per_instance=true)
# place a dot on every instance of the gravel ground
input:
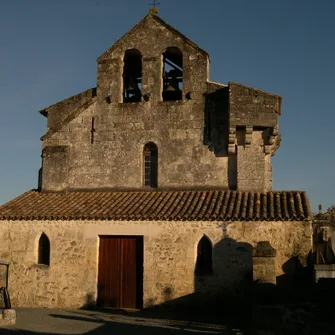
(60, 321)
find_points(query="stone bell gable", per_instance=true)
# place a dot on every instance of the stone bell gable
(156, 121)
(153, 40)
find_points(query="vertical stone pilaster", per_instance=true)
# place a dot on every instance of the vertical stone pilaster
(264, 263)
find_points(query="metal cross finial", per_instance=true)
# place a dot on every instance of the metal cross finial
(154, 4)
(154, 9)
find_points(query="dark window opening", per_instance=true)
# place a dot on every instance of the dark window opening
(132, 76)
(44, 250)
(150, 158)
(92, 131)
(204, 258)
(240, 135)
(172, 74)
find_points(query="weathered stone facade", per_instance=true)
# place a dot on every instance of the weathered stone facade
(170, 250)
(125, 164)
(215, 136)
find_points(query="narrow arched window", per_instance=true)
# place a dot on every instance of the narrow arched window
(172, 74)
(204, 257)
(150, 160)
(132, 76)
(44, 250)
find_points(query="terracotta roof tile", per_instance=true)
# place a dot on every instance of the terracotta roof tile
(212, 205)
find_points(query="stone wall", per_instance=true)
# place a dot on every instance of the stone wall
(169, 257)
(95, 141)
(115, 159)
(251, 107)
(251, 165)
(111, 155)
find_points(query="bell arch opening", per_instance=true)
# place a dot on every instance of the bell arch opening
(132, 76)
(172, 74)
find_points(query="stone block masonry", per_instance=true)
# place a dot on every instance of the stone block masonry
(95, 139)
(170, 251)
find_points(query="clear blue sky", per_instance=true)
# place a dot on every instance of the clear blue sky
(49, 50)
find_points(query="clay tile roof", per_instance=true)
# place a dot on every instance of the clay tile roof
(213, 205)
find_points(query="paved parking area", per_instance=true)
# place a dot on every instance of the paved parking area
(60, 321)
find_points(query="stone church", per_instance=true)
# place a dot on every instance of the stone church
(155, 185)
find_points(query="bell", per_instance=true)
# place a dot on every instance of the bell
(132, 85)
(170, 88)
(130, 89)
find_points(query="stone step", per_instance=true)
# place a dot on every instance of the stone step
(7, 317)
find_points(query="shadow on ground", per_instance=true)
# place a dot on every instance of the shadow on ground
(98, 322)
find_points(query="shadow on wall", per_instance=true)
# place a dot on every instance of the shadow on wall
(231, 273)
(90, 301)
(224, 290)
(217, 132)
(294, 286)
(295, 275)
(216, 117)
(222, 286)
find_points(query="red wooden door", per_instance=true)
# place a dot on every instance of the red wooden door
(120, 276)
